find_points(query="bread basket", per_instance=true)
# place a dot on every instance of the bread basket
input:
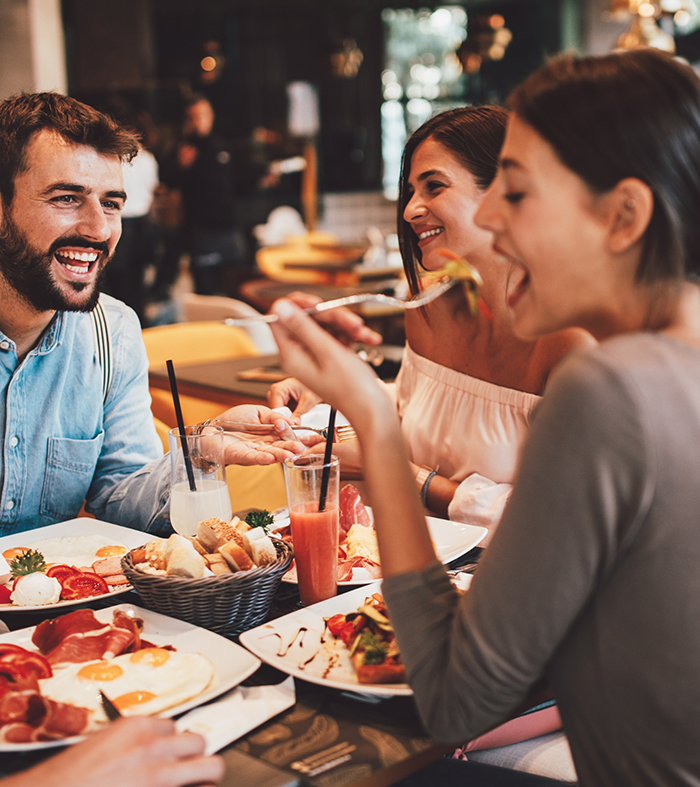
(227, 604)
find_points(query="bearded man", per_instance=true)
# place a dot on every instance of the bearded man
(61, 196)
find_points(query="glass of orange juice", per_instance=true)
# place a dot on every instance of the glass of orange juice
(314, 531)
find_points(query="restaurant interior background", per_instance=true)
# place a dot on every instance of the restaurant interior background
(334, 84)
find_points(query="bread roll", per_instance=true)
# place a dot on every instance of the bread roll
(208, 533)
(264, 551)
(182, 559)
(217, 563)
(236, 556)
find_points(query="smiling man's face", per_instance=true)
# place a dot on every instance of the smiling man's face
(63, 224)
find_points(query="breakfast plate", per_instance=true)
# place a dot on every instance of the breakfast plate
(75, 532)
(232, 663)
(299, 645)
(450, 539)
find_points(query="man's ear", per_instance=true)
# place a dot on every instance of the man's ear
(631, 205)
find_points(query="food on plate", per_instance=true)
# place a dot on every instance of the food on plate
(219, 548)
(64, 568)
(369, 636)
(262, 519)
(357, 540)
(55, 693)
(35, 590)
(145, 682)
(361, 541)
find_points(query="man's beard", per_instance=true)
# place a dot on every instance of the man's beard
(29, 272)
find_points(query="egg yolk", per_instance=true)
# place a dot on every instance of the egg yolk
(10, 554)
(110, 551)
(132, 699)
(103, 670)
(153, 657)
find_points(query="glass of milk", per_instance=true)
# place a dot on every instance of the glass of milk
(198, 479)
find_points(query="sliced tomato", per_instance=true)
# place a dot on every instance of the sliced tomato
(348, 633)
(5, 595)
(83, 585)
(26, 660)
(19, 676)
(60, 571)
(335, 624)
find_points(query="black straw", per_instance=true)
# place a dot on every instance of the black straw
(325, 477)
(181, 425)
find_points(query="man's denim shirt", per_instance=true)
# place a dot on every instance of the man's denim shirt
(61, 445)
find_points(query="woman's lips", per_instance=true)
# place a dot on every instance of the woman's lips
(427, 235)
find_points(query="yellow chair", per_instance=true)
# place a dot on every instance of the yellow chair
(190, 343)
(250, 487)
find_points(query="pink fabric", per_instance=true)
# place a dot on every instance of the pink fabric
(522, 728)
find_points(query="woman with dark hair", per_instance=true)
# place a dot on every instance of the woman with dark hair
(467, 385)
(592, 577)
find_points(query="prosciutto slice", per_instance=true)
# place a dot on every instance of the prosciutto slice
(352, 509)
(79, 637)
(26, 716)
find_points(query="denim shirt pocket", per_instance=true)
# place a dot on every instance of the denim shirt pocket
(70, 468)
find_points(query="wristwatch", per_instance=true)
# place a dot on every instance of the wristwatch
(423, 478)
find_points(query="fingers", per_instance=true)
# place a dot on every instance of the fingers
(198, 770)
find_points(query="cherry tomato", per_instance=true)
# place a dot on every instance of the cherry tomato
(335, 624)
(60, 571)
(83, 585)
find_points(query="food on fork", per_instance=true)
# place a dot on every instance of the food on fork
(369, 637)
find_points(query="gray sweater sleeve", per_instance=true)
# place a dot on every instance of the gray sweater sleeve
(581, 492)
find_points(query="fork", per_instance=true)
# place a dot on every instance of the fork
(341, 433)
(416, 302)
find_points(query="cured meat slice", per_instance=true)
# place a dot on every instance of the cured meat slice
(28, 707)
(78, 637)
(63, 721)
(92, 645)
(107, 566)
(17, 732)
(135, 625)
(352, 509)
(345, 568)
(48, 634)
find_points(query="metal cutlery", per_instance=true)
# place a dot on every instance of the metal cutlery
(352, 300)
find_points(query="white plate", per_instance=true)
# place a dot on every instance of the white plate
(451, 540)
(307, 658)
(232, 663)
(75, 527)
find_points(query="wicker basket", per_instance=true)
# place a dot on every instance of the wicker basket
(227, 604)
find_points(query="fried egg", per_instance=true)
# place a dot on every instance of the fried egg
(77, 550)
(143, 683)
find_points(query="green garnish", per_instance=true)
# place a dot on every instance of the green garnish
(28, 563)
(374, 648)
(261, 519)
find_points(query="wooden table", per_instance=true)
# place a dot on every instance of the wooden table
(357, 740)
(218, 381)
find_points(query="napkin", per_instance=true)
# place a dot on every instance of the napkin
(237, 712)
(317, 417)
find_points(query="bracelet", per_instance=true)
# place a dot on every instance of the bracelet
(424, 489)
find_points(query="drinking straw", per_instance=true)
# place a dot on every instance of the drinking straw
(181, 425)
(325, 477)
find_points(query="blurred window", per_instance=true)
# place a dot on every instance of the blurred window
(422, 75)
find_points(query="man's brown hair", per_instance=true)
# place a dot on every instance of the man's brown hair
(24, 115)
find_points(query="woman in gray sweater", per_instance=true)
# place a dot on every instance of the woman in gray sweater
(593, 578)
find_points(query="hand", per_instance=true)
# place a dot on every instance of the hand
(342, 323)
(140, 751)
(241, 448)
(350, 456)
(291, 393)
(324, 365)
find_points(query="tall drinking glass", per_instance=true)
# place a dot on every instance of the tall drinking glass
(314, 532)
(210, 496)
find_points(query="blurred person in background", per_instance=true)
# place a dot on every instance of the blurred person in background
(202, 170)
